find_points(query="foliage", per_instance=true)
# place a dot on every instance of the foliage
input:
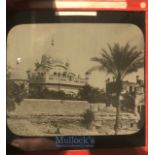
(43, 93)
(119, 61)
(91, 94)
(35, 91)
(128, 103)
(88, 118)
(88, 93)
(16, 92)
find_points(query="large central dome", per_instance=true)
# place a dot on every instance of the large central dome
(52, 56)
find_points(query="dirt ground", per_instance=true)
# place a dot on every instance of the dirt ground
(52, 118)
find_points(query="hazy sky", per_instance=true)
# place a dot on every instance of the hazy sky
(75, 42)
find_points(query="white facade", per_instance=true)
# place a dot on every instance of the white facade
(55, 75)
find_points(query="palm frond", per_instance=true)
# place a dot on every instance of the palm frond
(120, 60)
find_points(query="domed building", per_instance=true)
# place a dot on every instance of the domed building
(16, 75)
(53, 73)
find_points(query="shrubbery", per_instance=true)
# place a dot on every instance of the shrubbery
(41, 93)
(91, 94)
(16, 92)
(86, 93)
(88, 118)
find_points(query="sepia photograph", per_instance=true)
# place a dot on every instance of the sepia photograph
(75, 79)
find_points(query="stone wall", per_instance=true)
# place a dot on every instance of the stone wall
(51, 107)
(46, 117)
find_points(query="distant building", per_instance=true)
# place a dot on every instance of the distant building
(18, 76)
(135, 89)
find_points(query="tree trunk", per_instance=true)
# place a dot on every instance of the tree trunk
(117, 121)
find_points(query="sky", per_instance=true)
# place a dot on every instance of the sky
(76, 43)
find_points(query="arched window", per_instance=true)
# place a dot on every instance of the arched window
(64, 74)
(59, 74)
(70, 78)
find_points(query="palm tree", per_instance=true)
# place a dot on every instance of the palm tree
(119, 61)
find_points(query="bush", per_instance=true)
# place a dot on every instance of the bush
(16, 92)
(88, 118)
(91, 94)
(38, 92)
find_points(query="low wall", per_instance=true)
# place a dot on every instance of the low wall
(51, 107)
